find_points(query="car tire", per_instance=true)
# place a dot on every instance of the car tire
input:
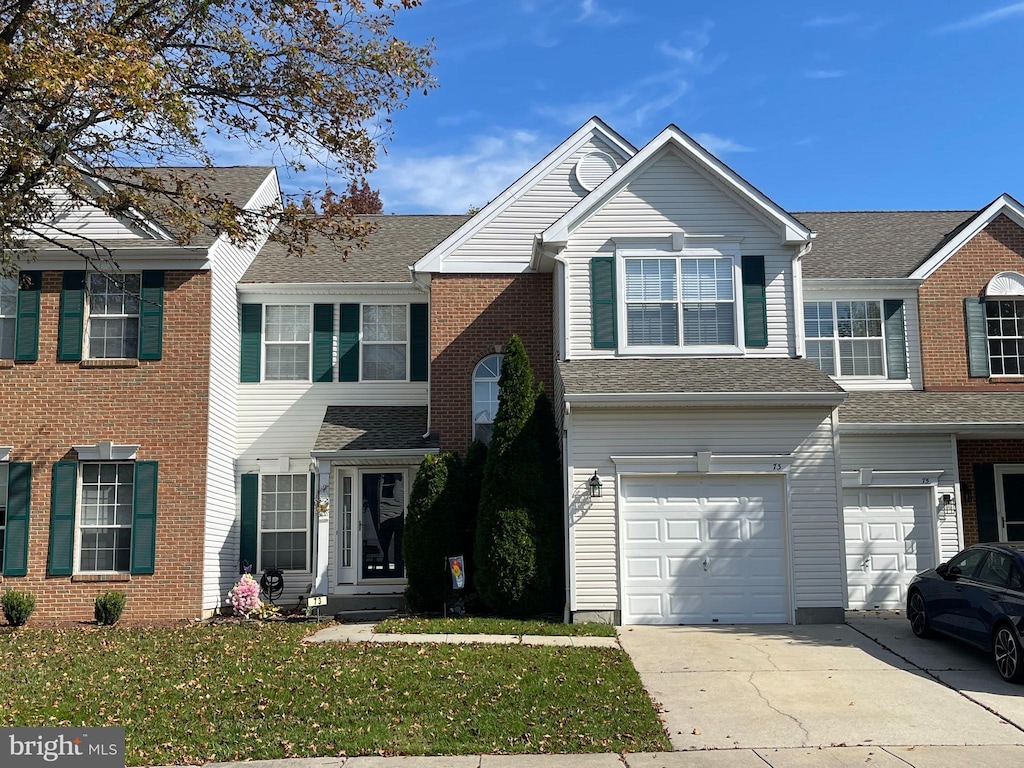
(1007, 653)
(917, 612)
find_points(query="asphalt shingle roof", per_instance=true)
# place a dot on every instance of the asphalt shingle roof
(390, 249)
(865, 244)
(775, 375)
(933, 408)
(374, 428)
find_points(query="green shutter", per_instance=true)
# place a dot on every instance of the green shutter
(755, 305)
(895, 339)
(419, 342)
(251, 342)
(26, 339)
(977, 337)
(985, 502)
(62, 518)
(151, 316)
(250, 522)
(144, 518)
(323, 342)
(19, 504)
(72, 316)
(348, 343)
(602, 302)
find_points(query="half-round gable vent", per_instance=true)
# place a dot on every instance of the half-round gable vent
(593, 168)
(1006, 284)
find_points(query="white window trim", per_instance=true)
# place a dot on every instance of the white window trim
(79, 517)
(259, 524)
(726, 250)
(472, 394)
(836, 338)
(407, 342)
(998, 297)
(264, 343)
(88, 315)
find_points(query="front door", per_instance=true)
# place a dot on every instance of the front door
(1010, 501)
(382, 503)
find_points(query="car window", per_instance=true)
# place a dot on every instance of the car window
(968, 561)
(1015, 580)
(996, 570)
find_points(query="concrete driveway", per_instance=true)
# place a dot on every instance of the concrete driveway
(821, 685)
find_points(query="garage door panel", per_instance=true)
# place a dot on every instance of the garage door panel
(722, 550)
(643, 531)
(643, 567)
(889, 538)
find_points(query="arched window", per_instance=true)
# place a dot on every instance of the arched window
(1004, 325)
(485, 396)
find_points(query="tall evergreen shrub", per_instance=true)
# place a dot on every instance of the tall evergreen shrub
(468, 506)
(547, 510)
(431, 533)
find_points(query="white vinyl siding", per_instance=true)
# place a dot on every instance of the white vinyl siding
(229, 262)
(666, 196)
(815, 295)
(78, 219)
(508, 238)
(804, 434)
(8, 316)
(910, 453)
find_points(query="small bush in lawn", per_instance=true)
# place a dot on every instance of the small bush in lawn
(18, 606)
(109, 607)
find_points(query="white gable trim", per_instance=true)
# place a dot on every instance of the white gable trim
(793, 231)
(433, 260)
(1002, 204)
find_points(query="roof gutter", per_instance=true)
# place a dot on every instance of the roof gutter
(698, 399)
(390, 453)
(853, 428)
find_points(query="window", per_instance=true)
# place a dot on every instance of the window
(1005, 322)
(996, 570)
(485, 396)
(385, 332)
(3, 510)
(8, 316)
(284, 522)
(968, 561)
(114, 315)
(672, 299)
(286, 337)
(105, 528)
(847, 331)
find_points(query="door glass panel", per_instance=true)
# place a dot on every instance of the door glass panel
(346, 522)
(968, 561)
(1013, 506)
(996, 570)
(383, 518)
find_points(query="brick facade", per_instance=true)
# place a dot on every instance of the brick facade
(470, 316)
(971, 452)
(161, 405)
(997, 248)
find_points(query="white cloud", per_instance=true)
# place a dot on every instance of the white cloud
(720, 145)
(451, 183)
(824, 74)
(983, 19)
(591, 13)
(830, 21)
(692, 50)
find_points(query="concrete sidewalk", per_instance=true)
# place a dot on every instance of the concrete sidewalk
(363, 633)
(830, 757)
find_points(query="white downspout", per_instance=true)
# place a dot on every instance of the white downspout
(798, 301)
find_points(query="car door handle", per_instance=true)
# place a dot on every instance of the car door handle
(993, 596)
(959, 588)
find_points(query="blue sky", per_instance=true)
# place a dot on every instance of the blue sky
(822, 106)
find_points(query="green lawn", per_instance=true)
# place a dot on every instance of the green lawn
(252, 691)
(482, 626)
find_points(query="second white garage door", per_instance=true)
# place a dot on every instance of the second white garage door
(889, 538)
(703, 550)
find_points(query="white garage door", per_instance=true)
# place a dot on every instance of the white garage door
(889, 538)
(703, 551)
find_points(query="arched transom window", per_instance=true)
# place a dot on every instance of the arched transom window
(1004, 320)
(485, 396)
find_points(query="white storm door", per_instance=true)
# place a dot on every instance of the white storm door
(889, 537)
(345, 527)
(703, 550)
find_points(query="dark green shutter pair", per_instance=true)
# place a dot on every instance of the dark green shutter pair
(63, 506)
(323, 332)
(976, 323)
(71, 330)
(19, 503)
(603, 302)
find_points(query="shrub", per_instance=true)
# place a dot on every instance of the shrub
(17, 606)
(511, 559)
(547, 509)
(109, 607)
(467, 507)
(430, 534)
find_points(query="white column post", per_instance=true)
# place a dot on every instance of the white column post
(321, 541)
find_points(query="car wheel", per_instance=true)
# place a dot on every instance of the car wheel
(1007, 652)
(918, 615)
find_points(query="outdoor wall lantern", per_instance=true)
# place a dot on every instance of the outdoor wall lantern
(947, 502)
(595, 486)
